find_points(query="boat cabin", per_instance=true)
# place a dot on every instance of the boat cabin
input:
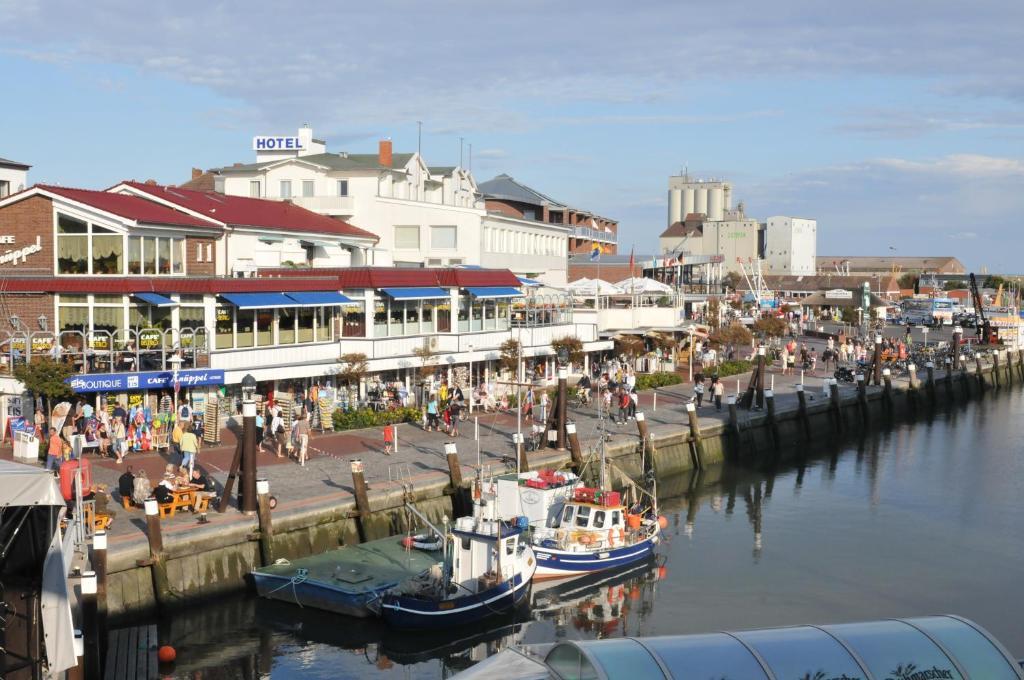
(481, 559)
(590, 517)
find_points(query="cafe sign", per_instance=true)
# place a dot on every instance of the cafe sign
(149, 339)
(14, 255)
(838, 294)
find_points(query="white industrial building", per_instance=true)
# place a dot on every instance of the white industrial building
(687, 196)
(13, 177)
(790, 246)
(424, 216)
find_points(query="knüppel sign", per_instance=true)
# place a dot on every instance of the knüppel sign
(13, 255)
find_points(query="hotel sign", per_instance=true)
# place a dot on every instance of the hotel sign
(275, 143)
(13, 255)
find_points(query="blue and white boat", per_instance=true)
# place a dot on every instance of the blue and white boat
(487, 570)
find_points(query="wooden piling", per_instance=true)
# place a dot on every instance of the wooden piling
(876, 362)
(451, 453)
(90, 628)
(862, 396)
(930, 380)
(229, 483)
(563, 399)
(1009, 369)
(266, 525)
(697, 446)
(1020, 364)
(948, 379)
(773, 426)
(912, 386)
(887, 382)
(362, 500)
(833, 405)
(574, 447)
(982, 383)
(734, 420)
(802, 409)
(954, 351)
(99, 565)
(158, 570)
(995, 370)
(646, 450)
(524, 462)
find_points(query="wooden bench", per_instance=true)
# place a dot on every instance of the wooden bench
(167, 509)
(202, 503)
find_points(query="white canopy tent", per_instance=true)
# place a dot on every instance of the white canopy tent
(593, 287)
(643, 286)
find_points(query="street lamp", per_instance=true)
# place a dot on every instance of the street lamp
(470, 386)
(691, 329)
(248, 445)
(175, 362)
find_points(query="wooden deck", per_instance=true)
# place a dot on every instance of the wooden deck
(131, 653)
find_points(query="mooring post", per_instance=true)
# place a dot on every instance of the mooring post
(697, 450)
(266, 525)
(862, 396)
(954, 350)
(769, 402)
(963, 377)
(929, 384)
(78, 671)
(876, 367)
(646, 451)
(802, 409)
(995, 370)
(99, 565)
(90, 627)
(362, 500)
(887, 381)
(229, 483)
(949, 378)
(833, 405)
(161, 585)
(524, 462)
(451, 453)
(574, 447)
(734, 419)
(563, 399)
(982, 384)
(1020, 363)
(762, 360)
(1009, 368)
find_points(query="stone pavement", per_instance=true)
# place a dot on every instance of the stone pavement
(326, 478)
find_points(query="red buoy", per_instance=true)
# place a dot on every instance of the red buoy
(166, 654)
(407, 542)
(662, 521)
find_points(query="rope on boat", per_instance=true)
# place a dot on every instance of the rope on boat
(301, 576)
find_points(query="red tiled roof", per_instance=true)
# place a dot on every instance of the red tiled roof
(241, 211)
(130, 207)
(186, 285)
(398, 277)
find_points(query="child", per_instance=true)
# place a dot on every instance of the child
(389, 439)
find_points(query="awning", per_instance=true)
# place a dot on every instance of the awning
(416, 293)
(271, 239)
(528, 282)
(319, 298)
(495, 292)
(258, 300)
(155, 299)
(317, 244)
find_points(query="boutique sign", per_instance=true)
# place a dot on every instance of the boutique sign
(149, 380)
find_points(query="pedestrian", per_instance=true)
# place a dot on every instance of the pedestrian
(698, 389)
(718, 391)
(118, 434)
(175, 447)
(126, 484)
(813, 357)
(527, 407)
(634, 398)
(454, 409)
(189, 449)
(432, 422)
(624, 402)
(389, 439)
(544, 401)
(55, 451)
(302, 437)
(259, 431)
(785, 360)
(277, 432)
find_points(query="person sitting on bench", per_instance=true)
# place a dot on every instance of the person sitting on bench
(126, 484)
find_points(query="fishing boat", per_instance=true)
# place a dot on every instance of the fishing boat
(486, 570)
(349, 580)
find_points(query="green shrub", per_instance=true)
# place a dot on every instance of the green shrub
(727, 368)
(646, 381)
(355, 420)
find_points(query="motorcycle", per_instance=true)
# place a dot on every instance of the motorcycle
(844, 374)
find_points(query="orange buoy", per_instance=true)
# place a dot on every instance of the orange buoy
(634, 593)
(407, 542)
(663, 521)
(633, 521)
(166, 654)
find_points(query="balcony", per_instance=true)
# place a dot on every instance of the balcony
(327, 205)
(598, 235)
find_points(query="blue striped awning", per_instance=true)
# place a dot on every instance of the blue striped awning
(495, 292)
(416, 293)
(258, 300)
(156, 299)
(528, 282)
(325, 298)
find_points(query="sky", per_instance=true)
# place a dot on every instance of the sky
(898, 126)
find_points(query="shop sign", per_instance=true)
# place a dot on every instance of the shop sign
(275, 143)
(838, 294)
(42, 344)
(12, 255)
(149, 380)
(99, 342)
(18, 344)
(149, 338)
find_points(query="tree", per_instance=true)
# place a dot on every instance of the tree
(509, 359)
(714, 312)
(44, 377)
(733, 335)
(631, 346)
(995, 281)
(733, 280)
(908, 280)
(771, 326)
(427, 360)
(953, 285)
(572, 344)
(353, 368)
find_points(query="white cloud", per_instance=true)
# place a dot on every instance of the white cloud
(969, 166)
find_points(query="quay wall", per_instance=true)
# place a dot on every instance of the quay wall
(207, 561)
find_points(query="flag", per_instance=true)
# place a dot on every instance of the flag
(595, 253)
(632, 265)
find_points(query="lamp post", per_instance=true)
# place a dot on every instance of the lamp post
(470, 386)
(175, 362)
(248, 487)
(563, 396)
(691, 329)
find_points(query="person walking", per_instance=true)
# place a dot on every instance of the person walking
(189, 449)
(432, 421)
(544, 402)
(785, 360)
(277, 432)
(454, 408)
(389, 439)
(624, 402)
(698, 390)
(55, 451)
(717, 391)
(302, 437)
(118, 433)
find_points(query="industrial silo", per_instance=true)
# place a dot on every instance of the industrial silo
(716, 198)
(675, 205)
(688, 201)
(700, 199)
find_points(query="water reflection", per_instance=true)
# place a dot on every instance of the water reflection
(919, 519)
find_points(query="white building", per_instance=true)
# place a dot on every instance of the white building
(13, 177)
(426, 216)
(790, 246)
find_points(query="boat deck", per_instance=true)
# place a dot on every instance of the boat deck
(360, 568)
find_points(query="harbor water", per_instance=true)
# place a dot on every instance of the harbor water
(923, 518)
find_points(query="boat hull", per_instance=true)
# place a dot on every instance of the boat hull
(554, 563)
(318, 595)
(402, 611)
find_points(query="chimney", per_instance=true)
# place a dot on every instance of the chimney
(384, 154)
(151, 182)
(196, 173)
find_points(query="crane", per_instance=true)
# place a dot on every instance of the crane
(984, 327)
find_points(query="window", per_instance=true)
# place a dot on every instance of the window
(286, 188)
(325, 322)
(307, 188)
(191, 324)
(443, 237)
(209, 252)
(353, 322)
(616, 518)
(225, 326)
(343, 187)
(569, 510)
(72, 246)
(583, 516)
(5, 189)
(529, 214)
(107, 252)
(254, 188)
(149, 256)
(285, 326)
(264, 327)
(599, 519)
(199, 252)
(380, 319)
(407, 237)
(178, 256)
